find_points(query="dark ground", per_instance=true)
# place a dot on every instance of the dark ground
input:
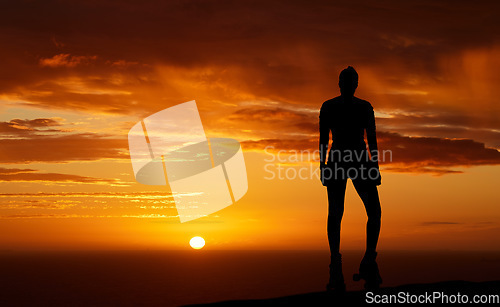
(411, 293)
(176, 278)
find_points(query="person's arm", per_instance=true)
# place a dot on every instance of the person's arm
(371, 135)
(324, 136)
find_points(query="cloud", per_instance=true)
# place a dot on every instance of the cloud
(437, 152)
(288, 52)
(79, 216)
(285, 144)
(138, 196)
(434, 223)
(38, 122)
(66, 60)
(40, 215)
(409, 150)
(26, 141)
(398, 153)
(24, 127)
(151, 205)
(64, 148)
(440, 122)
(266, 114)
(405, 168)
(25, 175)
(122, 63)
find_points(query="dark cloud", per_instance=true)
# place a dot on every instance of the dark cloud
(441, 123)
(266, 115)
(422, 57)
(66, 60)
(14, 171)
(24, 174)
(436, 171)
(434, 117)
(437, 152)
(36, 140)
(38, 122)
(435, 122)
(290, 51)
(75, 147)
(407, 154)
(10, 128)
(307, 127)
(27, 127)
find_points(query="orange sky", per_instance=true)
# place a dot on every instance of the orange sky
(77, 76)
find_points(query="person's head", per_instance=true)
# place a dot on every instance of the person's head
(348, 81)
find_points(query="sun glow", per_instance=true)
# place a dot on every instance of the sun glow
(197, 242)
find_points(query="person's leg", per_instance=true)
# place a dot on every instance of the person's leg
(336, 195)
(368, 269)
(368, 193)
(336, 192)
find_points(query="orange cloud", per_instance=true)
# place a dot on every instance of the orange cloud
(66, 60)
(23, 175)
(24, 127)
(75, 147)
(239, 53)
(405, 154)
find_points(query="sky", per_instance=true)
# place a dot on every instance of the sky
(76, 76)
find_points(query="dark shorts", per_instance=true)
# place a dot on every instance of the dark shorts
(360, 171)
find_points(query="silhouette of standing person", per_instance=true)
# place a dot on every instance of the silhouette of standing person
(348, 117)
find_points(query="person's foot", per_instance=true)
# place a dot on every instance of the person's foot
(368, 270)
(336, 281)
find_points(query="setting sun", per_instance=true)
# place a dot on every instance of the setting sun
(197, 242)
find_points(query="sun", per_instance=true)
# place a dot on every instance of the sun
(197, 242)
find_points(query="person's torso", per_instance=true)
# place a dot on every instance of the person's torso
(347, 121)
